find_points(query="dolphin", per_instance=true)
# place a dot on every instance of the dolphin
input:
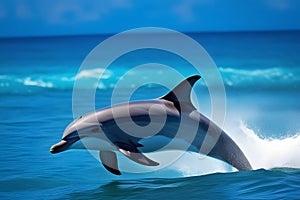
(130, 127)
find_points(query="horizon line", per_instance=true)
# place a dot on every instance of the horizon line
(114, 33)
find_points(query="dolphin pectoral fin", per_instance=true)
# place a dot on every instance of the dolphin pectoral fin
(138, 157)
(109, 161)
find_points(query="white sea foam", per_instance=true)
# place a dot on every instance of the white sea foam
(240, 77)
(40, 83)
(269, 72)
(269, 152)
(95, 73)
(261, 152)
(233, 77)
(65, 78)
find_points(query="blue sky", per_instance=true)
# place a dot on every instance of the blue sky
(72, 17)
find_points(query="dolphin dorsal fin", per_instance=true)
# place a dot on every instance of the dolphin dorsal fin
(181, 94)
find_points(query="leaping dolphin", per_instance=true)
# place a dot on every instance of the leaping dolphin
(129, 127)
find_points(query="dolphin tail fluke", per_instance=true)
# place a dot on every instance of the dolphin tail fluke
(109, 161)
(138, 157)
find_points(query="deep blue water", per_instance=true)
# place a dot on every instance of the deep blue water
(261, 74)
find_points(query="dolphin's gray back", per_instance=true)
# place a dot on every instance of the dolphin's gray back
(141, 114)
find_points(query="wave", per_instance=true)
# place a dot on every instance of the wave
(40, 83)
(22, 84)
(260, 184)
(261, 78)
(262, 153)
(94, 73)
(270, 153)
(235, 78)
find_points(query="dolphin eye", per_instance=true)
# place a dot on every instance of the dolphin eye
(77, 119)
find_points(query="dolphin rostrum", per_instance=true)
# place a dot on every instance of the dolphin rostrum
(129, 127)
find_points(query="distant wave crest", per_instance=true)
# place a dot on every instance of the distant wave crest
(267, 79)
(262, 78)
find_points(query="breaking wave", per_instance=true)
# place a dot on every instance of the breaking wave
(262, 153)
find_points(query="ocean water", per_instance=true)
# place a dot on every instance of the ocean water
(261, 74)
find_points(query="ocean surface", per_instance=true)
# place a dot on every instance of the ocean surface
(261, 75)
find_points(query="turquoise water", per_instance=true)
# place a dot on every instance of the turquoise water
(261, 75)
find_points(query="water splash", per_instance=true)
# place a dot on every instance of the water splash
(266, 153)
(269, 153)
